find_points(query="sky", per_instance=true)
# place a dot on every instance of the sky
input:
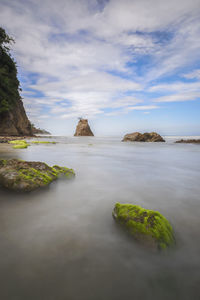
(126, 65)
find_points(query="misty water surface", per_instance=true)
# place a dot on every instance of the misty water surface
(62, 243)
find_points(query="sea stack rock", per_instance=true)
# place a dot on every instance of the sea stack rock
(145, 137)
(83, 128)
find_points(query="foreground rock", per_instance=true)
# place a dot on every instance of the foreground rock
(23, 176)
(145, 137)
(189, 141)
(146, 226)
(83, 128)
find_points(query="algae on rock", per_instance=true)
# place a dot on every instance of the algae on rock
(147, 226)
(24, 176)
(19, 144)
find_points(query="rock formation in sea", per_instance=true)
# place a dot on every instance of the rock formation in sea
(189, 141)
(83, 128)
(39, 130)
(146, 226)
(145, 137)
(13, 118)
(26, 176)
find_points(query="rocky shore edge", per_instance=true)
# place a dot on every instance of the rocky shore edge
(189, 141)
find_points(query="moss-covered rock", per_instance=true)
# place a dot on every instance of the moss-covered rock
(146, 226)
(19, 144)
(22, 144)
(42, 142)
(26, 176)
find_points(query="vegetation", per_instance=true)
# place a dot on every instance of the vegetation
(9, 84)
(42, 142)
(19, 144)
(22, 144)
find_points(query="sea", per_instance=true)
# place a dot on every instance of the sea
(61, 243)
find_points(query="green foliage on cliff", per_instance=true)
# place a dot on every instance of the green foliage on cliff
(9, 84)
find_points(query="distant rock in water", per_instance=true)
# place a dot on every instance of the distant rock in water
(83, 128)
(146, 226)
(26, 176)
(189, 141)
(145, 137)
(13, 118)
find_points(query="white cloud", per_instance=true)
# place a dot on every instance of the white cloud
(83, 55)
(179, 97)
(193, 75)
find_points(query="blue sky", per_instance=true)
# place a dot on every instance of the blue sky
(126, 65)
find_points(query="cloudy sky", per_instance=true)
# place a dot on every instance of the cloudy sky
(126, 65)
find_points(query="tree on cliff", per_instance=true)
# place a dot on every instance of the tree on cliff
(13, 119)
(9, 84)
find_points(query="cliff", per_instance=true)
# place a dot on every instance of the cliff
(83, 128)
(13, 118)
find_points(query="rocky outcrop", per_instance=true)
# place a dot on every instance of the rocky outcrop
(83, 128)
(145, 137)
(39, 131)
(146, 226)
(189, 141)
(13, 118)
(23, 176)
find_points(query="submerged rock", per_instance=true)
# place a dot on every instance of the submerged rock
(189, 141)
(146, 226)
(83, 128)
(145, 137)
(24, 176)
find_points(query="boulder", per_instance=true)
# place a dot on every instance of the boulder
(83, 128)
(145, 137)
(24, 176)
(146, 226)
(189, 141)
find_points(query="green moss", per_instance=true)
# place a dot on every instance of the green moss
(34, 176)
(3, 162)
(19, 144)
(42, 142)
(60, 171)
(143, 223)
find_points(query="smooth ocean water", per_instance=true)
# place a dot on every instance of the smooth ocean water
(62, 243)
